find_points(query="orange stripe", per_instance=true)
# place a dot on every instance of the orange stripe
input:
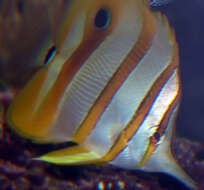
(138, 118)
(90, 42)
(131, 61)
(163, 124)
(153, 142)
(142, 111)
(19, 113)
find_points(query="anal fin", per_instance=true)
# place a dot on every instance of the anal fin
(74, 155)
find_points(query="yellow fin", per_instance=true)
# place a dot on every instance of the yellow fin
(147, 154)
(74, 155)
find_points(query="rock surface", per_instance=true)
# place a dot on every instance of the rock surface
(18, 171)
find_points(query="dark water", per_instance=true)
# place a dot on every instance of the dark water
(187, 18)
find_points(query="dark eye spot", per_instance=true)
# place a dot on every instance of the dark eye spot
(50, 54)
(102, 18)
(157, 136)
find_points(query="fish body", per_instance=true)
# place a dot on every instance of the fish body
(112, 87)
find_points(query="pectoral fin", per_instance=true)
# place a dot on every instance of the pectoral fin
(74, 155)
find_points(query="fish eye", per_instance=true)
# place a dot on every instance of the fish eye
(50, 54)
(157, 136)
(102, 18)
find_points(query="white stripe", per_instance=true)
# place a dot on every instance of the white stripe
(96, 71)
(131, 93)
(71, 43)
(136, 148)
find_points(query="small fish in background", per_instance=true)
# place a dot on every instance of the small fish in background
(111, 85)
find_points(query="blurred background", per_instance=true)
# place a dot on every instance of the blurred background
(25, 31)
(187, 19)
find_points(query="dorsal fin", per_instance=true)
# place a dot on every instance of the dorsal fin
(157, 3)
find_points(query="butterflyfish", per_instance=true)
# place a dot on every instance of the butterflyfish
(111, 86)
